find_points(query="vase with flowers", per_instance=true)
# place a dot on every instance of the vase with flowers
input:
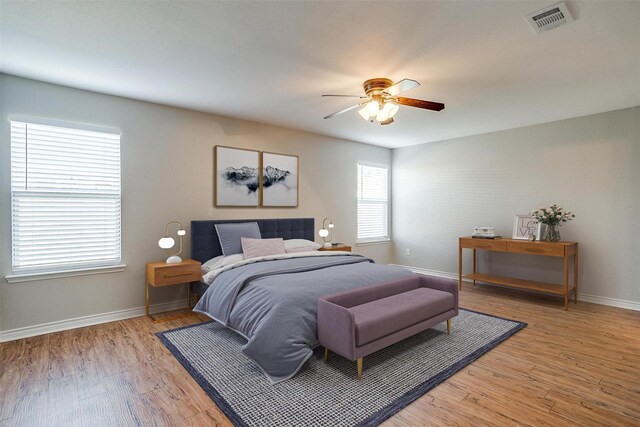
(552, 216)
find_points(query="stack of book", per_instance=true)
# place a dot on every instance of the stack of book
(485, 233)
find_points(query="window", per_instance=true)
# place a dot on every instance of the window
(373, 203)
(65, 198)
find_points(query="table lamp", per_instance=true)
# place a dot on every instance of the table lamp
(326, 231)
(167, 242)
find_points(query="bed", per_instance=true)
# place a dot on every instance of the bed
(205, 244)
(272, 301)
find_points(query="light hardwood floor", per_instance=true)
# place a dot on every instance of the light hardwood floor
(580, 367)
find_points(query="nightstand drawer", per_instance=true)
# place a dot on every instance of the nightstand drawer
(171, 274)
(344, 248)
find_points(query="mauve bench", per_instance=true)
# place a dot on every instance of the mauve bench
(359, 322)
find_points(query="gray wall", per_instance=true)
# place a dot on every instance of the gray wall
(590, 165)
(167, 174)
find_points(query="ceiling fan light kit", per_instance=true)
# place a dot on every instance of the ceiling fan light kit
(381, 103)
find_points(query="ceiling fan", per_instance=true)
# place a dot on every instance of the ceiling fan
(380, 102)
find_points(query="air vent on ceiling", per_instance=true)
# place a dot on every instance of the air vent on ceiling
(549, 18)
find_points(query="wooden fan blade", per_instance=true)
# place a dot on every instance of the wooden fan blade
(347, 96)
(342, 111)
(401, 86)
(427, 105)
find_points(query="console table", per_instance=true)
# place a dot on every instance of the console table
(563, 250)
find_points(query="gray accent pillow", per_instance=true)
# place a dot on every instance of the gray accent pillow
(231, 233)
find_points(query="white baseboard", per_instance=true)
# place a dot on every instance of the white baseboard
(596, 299)
(613, 302)
(80, 322)
(428, 272)
(96, 319)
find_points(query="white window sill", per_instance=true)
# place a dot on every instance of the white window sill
(374, 242)
(29, 277)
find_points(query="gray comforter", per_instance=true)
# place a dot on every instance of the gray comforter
(273, 304)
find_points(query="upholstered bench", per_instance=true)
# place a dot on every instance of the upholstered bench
(359, 322)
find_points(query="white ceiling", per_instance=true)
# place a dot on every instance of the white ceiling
(270, 61)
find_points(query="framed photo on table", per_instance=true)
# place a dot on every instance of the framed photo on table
(525, 226)
(279, 180)
(236, 178)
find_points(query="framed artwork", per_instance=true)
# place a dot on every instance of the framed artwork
(279, 180)
(525, 226)
(236, 179)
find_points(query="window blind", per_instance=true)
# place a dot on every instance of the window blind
(65, 197)
(373, 203)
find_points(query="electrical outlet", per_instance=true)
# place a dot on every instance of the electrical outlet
(407, 252)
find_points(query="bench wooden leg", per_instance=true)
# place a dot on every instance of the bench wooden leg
(448, 326)
(359, 361)
(326, 354)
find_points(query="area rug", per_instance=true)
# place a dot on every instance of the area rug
(329, 394)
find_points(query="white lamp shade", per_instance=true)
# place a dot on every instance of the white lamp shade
(385, 112)
(331, 225)
(166, 243)
(394, 109)
(181, 232)
(373, 107)
(382, 116)
(323, 232)
(364, 113)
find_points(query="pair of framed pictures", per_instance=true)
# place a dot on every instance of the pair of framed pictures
(254, 178)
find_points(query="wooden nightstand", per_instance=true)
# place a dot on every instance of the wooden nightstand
(338, 247)
(162, 274)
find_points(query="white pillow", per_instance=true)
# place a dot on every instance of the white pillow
(295, 245)
(300, 250)
(220, 261)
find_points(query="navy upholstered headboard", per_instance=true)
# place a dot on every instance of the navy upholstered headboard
(204, 238)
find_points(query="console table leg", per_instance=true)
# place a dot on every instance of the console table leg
(575, 276)
(460, 265)
(474, 266)
(566, 282)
